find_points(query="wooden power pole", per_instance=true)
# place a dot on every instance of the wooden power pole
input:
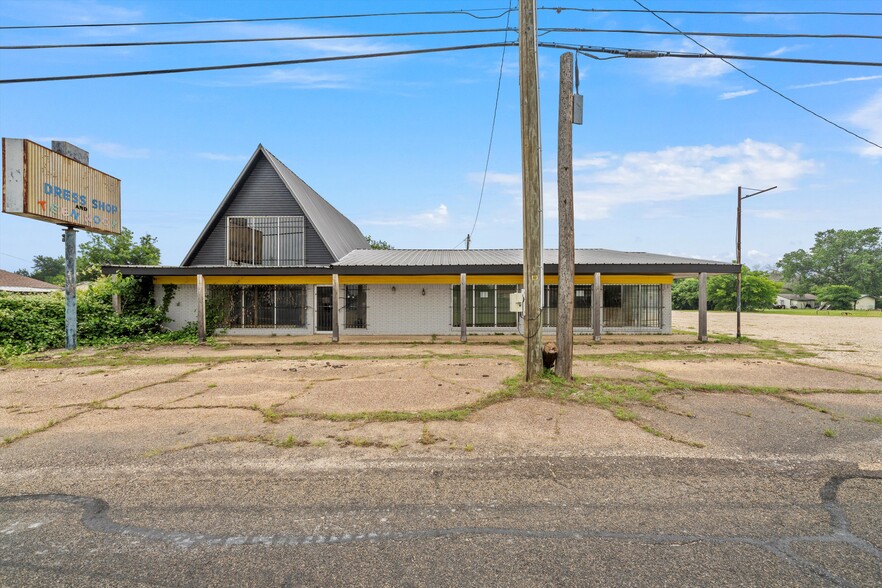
(531, 164)
(566, 264)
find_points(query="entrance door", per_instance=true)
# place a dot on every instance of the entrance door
(324, 308)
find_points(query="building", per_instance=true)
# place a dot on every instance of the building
(865, 302)
(796, 301)
(18, 284)
(275, 257)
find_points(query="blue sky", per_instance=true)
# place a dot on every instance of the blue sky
(399, 144)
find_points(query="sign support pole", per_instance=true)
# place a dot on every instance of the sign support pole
(70, 288)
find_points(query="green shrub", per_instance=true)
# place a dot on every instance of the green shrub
(30, 323)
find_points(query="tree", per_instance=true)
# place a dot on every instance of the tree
(837, 257)
(377, 244)
(757, 290)
(684, 294)
(839, 297)
(115, 250)
(48, 269)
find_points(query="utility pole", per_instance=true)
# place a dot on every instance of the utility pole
(531, 165)
(738, 256)
(566, 264)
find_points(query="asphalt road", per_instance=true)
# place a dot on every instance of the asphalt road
(575, 521)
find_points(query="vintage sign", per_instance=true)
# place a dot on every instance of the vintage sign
(42, 184)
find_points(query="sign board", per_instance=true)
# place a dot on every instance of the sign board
(41, 184)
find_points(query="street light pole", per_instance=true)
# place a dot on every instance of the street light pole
(738, 255)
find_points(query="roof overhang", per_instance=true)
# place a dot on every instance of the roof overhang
(677, 270)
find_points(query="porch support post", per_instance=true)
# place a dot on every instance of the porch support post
(463, 331)
(702, 306)
(114, 298)
(597, 307)
(200, 307)
(335, 308)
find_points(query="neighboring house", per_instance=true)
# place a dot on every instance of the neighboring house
(865, 302)
(272, 251)
(797, 301)
(10, 282)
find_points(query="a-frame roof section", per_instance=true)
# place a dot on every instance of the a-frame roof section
(338, 233)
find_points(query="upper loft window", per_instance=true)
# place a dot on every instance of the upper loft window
(265, 240)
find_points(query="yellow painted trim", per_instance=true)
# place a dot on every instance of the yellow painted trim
(493, 280)
(426, 279)
(267, 280)
(244, 280)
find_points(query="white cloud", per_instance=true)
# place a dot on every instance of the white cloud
(436, 217)
(737, 94)
(869, 119)
(785, 49)
(686, 172)
(105, 148)
(690, 71)
(836, 82)
(593, 160)
(220, 156)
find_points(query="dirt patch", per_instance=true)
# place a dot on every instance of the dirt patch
(760, 372)
(836, 339)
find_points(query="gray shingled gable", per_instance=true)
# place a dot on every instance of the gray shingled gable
(338, 234)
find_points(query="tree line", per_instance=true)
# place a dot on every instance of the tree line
(841, 266)
(122, 249)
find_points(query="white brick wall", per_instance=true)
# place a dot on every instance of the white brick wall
(182, 309)
(402, 311)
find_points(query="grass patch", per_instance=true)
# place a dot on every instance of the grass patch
(830, 433)
(9, 440)
(876, 420)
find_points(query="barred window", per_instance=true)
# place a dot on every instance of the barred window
(265, 240)
(257, 306)
(356, 307)
(486, 306)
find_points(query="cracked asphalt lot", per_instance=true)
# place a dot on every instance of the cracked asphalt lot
(427, 463)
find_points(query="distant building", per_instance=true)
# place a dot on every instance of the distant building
(272, 251)
(11, 282)
(797, 301)
(865, 302)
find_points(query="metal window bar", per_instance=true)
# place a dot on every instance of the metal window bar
(258, 306)
(265, 241)
(356, 307)
(632, 306)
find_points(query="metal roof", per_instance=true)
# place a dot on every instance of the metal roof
(338, 233)
(455, 261)
(510, 257)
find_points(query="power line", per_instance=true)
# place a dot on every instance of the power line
(472, 12)
(248, 65)
(492, 126)
(429, 33)
(652, 53)
(717, 34)
(760, 82)
(253, 40)
(719, 12)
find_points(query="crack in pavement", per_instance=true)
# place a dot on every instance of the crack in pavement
(96, 518)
